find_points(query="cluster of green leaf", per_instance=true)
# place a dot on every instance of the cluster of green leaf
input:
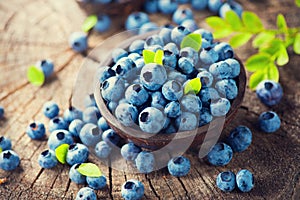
(86, 169)
(272, 44)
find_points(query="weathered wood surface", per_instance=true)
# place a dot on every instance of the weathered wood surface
(31, 30)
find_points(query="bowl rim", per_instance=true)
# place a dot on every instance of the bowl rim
(131, 133)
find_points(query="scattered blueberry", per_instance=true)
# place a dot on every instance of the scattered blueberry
(136, 20)
(269, 92)
(132, 190)
(244, 180)
(50, 109)
(102, 124)
(240, 138)
(269, 122)
(90, 134)
(103, 23)
(5, 143)
(220, 154)
(111, 137)
(9, 160)
(91, 115)
(179, 166)
(145, 162)
(46, 66)
(58, 138)
(86, 193)
(75, 127)
(77, 153)
(182, 14)
(102, 149)
(75, 176)
(36, 130)
(226, 181)
(130, 151)
(57, 123)
(78, 42)
(47, 159)
(72, 113)
(96, 183)
(1, 112)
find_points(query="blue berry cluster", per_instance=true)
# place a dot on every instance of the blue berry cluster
(9, 159)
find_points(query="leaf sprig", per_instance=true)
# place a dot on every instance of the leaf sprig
(272, 44)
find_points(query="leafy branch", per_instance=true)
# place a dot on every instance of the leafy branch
(272, 44)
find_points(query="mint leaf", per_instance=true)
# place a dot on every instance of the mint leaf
(158, 57)
(252, 22)
(193, 86)
(262, 39)
(35, 76)
(256, 78)
(192, 40)
(1, 150)
(281, 23)
(296, 45)
(258, 61)
(233, 20)
(272, 47)
(61, 153)
(283, 57)
(89, 169)
(89, 23)
(240, 39)
(220, 26)
(297, 2)
(222, 33)
(272, 72)
(148, 56)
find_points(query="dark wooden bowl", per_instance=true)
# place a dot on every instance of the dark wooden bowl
(154, 142)
(122, 8)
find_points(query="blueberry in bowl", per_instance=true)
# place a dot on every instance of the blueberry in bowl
(170, 92)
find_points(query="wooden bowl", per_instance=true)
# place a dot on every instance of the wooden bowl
(157, 141)
(122, 8)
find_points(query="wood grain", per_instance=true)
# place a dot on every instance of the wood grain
(31, 30)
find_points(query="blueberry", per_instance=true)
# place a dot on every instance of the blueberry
(137, 46)
(220, 107)
(46, 66)
(75, 127)
(186, 121)
(130, 151)
(134, 56)
(169, 59)
(158, 100)
(221, 70)
(175, 75)
(179, 166)
(226, 181)
(151, 120)
(186, 65)
(190, 24)
(153, 40)
(215, 5)
(132, 190)
(235, 67)
(165, 35)
(136, 94)
(191, 103)
(269, 122)
(9, 160)
(90, 134)
(182, 14)
(170, 129)
(240, 138)
(75, 176)
(139, 63)
(153, 76)
(126, 113)
(199, 4)
(72, 113)
(135, 20)
(59, 137)
(145, 162)
(206, 78)
(205, 117)
(208, 56)
(113, 88)
(189, 53)
(207, 95)
(205, 44)
(5, 143)
(57, 123)
(220, 154)
(50, 109)
(230, 6)
(227, 88)
(77, 153)
(78, 41)
(89, 100)
(36, 130)
(96, 183)
(111, 137)
(172, 109)
(1, 112)
(178, 33)
(167, 6)
(102, 124)
(47, 159)
(123, 68)
(147, 27)
(244, 180)
(172, 90)
(102, 149)
(103, 23)
(224, 51)
(171, 49)
(151, 6)
(207, 35)
(86, 193)
(269, 92)
(91, 115)
(118, 53)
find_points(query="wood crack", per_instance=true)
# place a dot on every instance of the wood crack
(110, 182)
(152, 187)
(184, 188)
(7, 23)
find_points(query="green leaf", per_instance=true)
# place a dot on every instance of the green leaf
(281, 23)
(296, 45)
(252, 22)
(233, 20)
(272, 72)
(158, 58)
(222, 33)
(61, 153)
(262, 39)
(283, 57)
(258, 61)
(256, 78)
(297, 2)
(217, 23)
(240, 39)
(192, 40)
(35, 76)
(272, 47)
(89, 169)
(193, 86)
(148, 56)
(1, 150)
(89, 23)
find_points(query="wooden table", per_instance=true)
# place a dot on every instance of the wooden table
(36, 29)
